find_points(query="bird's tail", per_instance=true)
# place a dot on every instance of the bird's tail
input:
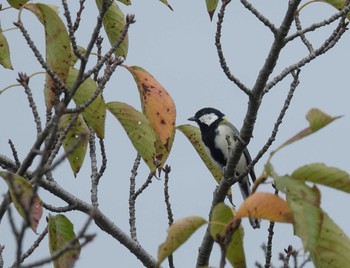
(244, 186)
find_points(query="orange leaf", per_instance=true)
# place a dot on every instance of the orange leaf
(265, 206)
(158, 106)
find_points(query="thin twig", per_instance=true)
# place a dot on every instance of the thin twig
(78, 18)
(268, 254)
(71, 28)
(35, 245)
(145, 185)
(58, 209)
(1, 259)
(14, 154)
(132, 198)
(323, 23)
(99, 42)
(290, 251)
(302, 36)
(218, 45)
(167, 170)
(104, 159)
(23, 79)
(260, 16)
(94, 172)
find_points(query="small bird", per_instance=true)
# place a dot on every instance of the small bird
(219, 137)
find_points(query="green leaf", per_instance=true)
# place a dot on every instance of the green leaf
(77, 137)
(17, 3)
(338, 4)
(125, 2)
(178, 233)
(5, 59)
(333, 246)
(194, 135)
(222, 215)
(114, 22)
(61, 232)
(211, 7)
(27, 203)
(321, 174)
(95, 113)
(167, 4)
(317, 120)
(138, 129)
(304, 201)
(58, 48)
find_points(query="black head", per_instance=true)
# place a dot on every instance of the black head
(207, 116)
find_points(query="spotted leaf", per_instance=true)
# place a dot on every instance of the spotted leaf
(76, 141)
(113, 23)
(5, 59)
(27, 203)
(159, 108)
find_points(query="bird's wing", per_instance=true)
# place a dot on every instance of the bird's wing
(245, 151)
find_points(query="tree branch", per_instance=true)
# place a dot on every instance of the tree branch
(249, 122)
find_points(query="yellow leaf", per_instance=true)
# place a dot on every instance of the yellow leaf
(178, 233)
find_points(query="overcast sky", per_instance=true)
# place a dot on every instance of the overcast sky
(178, 49)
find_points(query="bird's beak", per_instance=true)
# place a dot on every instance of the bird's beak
(192, 119)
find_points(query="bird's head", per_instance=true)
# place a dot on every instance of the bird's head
(207, 117)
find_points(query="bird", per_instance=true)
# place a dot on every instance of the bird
(219, 137)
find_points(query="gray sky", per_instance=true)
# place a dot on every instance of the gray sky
(178, 49)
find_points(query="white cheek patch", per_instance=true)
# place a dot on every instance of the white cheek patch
(208, 119)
